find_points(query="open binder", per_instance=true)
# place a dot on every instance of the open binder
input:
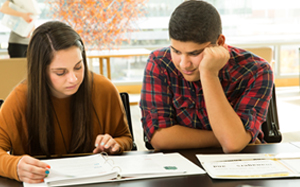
(101, 168)
(251, 166)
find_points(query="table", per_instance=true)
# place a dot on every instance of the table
(201, 180)
(107, 54)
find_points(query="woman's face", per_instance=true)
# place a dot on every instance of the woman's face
(66, 72)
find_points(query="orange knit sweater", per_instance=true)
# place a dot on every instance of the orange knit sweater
(108, 106)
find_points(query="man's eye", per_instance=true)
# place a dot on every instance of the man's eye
(194, 54)
(177, 52)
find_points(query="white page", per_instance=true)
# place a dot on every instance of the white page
(264, 165)
(245, 168)
(155, 164)
(294, 164)
(139, 166)
(77, 167)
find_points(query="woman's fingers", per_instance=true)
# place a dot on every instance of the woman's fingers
(106, 143)
(32, 170)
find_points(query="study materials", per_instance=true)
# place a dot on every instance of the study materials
(100, 168)
(18, 24)
(297, 144)
(251, 166)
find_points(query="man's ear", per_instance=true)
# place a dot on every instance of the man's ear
(221, 40)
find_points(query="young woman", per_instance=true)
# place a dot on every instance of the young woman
(60, 108)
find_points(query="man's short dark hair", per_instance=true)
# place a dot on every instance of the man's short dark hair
(195, 21)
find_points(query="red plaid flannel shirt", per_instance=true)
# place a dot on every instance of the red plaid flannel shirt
(167, 99)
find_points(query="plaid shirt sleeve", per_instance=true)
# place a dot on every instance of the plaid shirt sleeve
(156, 102)
(252, 105)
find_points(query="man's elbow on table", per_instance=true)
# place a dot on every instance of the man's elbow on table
(234, 146)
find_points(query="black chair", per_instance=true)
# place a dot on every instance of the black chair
(126, 103)
(1, 101)
(270, 127)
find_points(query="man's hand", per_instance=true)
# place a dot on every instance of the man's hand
(31, 170)
(214, 58)
(106, 143)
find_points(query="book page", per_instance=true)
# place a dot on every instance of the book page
(78, 167)
(157, 164)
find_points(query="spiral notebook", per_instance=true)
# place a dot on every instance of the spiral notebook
(101, 168)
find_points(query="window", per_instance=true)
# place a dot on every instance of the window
(246, 23)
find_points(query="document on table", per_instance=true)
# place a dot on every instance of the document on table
(97, 169)
(247, 166)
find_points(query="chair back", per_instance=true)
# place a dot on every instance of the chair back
(263, 52)
(12, 72)
(125, 99)
(270, 127)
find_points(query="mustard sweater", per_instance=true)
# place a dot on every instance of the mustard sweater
(106, 101)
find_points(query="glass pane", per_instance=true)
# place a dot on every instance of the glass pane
(289, 60)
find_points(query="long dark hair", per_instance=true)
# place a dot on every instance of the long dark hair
(46, 40)
(195, 21)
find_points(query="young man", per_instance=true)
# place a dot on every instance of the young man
(200, 92)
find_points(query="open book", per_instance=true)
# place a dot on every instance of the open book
(251, 166)
(102, 168)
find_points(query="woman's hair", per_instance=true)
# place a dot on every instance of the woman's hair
(46, 40)
(195, 21)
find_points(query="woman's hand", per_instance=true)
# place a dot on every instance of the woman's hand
(27, 17)
(31, 170)
(106, 143)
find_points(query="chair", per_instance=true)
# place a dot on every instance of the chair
(12, 72)
(263, 52)
(125, 99)
(270, 127)
(1, 101)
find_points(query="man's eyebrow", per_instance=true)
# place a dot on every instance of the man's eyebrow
(196, 51)
(174, 48)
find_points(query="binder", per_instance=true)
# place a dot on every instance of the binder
(101, 168)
